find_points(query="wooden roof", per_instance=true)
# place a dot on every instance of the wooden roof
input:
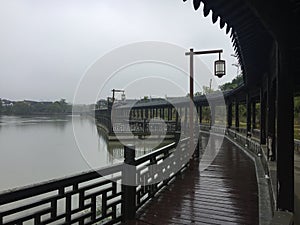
(253, 25)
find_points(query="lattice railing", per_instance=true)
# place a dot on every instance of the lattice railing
(155, 170)
(86, 198)
(99, 196)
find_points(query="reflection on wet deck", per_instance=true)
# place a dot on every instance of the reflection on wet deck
(225, 193)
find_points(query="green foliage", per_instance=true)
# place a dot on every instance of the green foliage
(36, 108)
(233, 84)
(1, 107)
(21, 108)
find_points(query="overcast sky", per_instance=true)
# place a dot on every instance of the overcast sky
(48, 45)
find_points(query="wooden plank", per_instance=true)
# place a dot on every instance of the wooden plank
(225, 193)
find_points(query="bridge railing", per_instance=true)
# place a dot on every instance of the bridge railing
(83, 199)
(215, 129)
(95, 196)
(157, 169)
(144, 127)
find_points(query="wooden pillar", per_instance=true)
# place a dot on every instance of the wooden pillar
(262, 117)
(169, 113)
(129, 191)
(237, 116)
(285, 131)
(248, 104)
(271, 119)
(185, 116)
(177, 120)
(229, 114)
(143, 113)
(253, 115)
(147, 113)
(200, 114)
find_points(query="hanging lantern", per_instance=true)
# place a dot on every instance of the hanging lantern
(219, 67)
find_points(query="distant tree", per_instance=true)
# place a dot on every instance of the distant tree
(233, 84)
(207, 90)
(1, 107)
(21, 108)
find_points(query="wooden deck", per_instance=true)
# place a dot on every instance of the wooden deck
(225, 193)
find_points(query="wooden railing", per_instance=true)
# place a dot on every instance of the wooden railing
(83, 199)
(156, 170)
(245, 141)
(213, 129)
(144, 127)
(97, 196)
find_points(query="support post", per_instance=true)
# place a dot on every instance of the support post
(169, 113)
(248, 103)
(237, 116)
(147, 113)
(129, 183)
(213, 115)
(262, 117)
(229, 115)
(285, 130)
(200, 114)
(191, 115)
(253, 115)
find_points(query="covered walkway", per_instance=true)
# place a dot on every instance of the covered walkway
(225, 193)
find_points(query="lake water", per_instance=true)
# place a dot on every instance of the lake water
(36, 149)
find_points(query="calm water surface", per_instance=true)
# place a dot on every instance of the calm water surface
(36, 149)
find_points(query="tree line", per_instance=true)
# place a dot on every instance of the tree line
(34, 108)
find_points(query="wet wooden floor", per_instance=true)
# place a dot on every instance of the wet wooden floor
(225, 193)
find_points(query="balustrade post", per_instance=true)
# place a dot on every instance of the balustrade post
(129, 184)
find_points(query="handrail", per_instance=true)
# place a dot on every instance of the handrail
(89, 197)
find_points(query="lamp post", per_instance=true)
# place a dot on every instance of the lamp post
(219, 70)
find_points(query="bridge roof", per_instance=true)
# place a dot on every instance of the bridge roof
(253, 25)
(176, 101)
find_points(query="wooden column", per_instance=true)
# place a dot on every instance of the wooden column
(262, 117)
(253, 115)
(128, 188)
(185, 117)
(271, 119)
(147, 113)
(200, 114)
(229, 114)
(237, 116)
(177, 120)
(143, 113)
(169, 114)
(248, 104)
(285, 130)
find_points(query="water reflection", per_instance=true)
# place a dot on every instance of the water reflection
(36, 149)
(116, 148)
